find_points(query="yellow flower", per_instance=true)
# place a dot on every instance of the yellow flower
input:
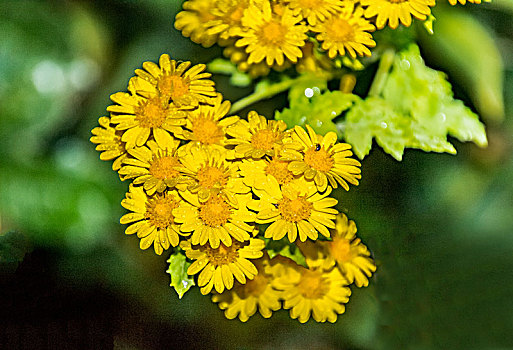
(346, 31)
(295, 210)
(463, 2)
(244, 299)
(215, 220)
(315, 10)
(239, 57)
(220, 265)
(205, 125)
(211, 173)
(394, 11)
(257, 136)
(151, 218)
(258, 173)
(192, 22)
(108, 143)
(156, 166)
(270, 36)
(321, 294)
(227, 19)
(321, 159)
(349, 254)
(142, 112)
(177, 83)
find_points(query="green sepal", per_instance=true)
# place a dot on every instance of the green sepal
(226, 67)
(180, 280)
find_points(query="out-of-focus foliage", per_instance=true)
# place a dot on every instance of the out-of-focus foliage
(284, 248)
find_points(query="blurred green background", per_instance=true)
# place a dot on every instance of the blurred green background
(440, 226)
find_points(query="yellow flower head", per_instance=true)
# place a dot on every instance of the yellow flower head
(463, 2)
(156, 166)
(143, 112)
(257, 174)
(108, 143)
(206, 125)
(394, 11)
(227, 21)
(220, 265)
(346, 31)
(270, 36)
(321, 159)
(256, 137)
(315, 11)
(295, 210)
(321, 294)
(239, 57)
(215, 220)
(151, 218)
(192, 21)
(244, 299)
(211, 173)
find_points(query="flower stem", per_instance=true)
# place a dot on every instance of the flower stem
(387, 59)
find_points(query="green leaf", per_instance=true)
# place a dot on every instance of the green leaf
(284, 248)
(13, 247)
(318, 110)
(416, 110)
(180, 281)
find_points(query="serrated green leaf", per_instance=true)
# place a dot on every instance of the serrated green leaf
(318, 111)
(416, 110)
(284, 248)
(180, 281)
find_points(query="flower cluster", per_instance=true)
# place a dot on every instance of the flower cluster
(219, 188)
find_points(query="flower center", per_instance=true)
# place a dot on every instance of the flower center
(151, 113)
(256, 286)
(206, 130)
(222, 255)
(279, 170)
(209, 176)
(273, 33)
(164, 167)
(295, 210)
(172, 86)
(312, 285)
(319, 159)
(340, 30)
(264, 139)
(310, 4)
(215, 212)
(159, 210)
(340, 249)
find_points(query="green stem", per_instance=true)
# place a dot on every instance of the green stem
(262, 93)
(387, 59)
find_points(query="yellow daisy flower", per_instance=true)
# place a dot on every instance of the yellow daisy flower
(315, 11)
(192, 22)
(211, 173)
(244, 299)
(394, 11)
(257, 136)
(206, 125)
(215, 220)
(220, 265)
(178, 82)
(349, 253)
(151, 218)
(321, 294)
(108, 143)
(346, 31)
(270, 36)
(228, 17)
(321, 159)
(239, 57)
(258, 173)
(143, 112)
(155, 166)
(295, 211)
